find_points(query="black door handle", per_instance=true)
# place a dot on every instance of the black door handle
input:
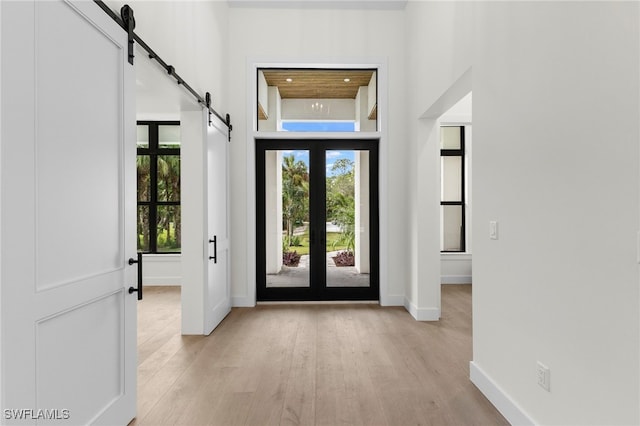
(215, 249)
(139, 262)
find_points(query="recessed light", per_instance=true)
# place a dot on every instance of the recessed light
(289, 80)
(346, 80)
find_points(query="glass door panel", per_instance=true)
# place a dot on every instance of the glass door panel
(347, 218)
(287, 245)
(317, 220)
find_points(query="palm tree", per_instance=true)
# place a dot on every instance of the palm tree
(143, 164)
(341, 201)
(295, 194)
(169, 190)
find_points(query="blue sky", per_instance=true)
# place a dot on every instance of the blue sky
(318, 126)
(332, 157)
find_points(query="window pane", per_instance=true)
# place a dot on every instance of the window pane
(168, 178)
(452, 236)
(287, 219)
(451, 185)
(143, 136)
(143, 228)
(143, 163)
(169, 136)
(347, 214)
(450, 137)
(168, 226)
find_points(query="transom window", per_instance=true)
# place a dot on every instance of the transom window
(158, 164)
(317, 100)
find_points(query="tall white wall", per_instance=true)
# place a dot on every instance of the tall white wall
(439, 39)
(169, 27)
(190, 35)
(316, 35)
(556, 163)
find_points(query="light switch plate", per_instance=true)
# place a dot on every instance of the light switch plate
(493, 230)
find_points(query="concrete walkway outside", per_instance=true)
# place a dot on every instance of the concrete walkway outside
(343, 276)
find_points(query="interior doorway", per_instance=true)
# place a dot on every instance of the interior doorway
(317, 220)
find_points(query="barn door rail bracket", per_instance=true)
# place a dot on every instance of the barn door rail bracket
(127, 21)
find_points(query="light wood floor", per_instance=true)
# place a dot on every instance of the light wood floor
(309, 365)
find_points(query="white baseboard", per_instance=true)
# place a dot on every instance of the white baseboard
(455, 279)
(503, 403)
(422, 314)
(242, 302)
(392, 300)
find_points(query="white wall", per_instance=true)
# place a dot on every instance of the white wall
(162, 269)
(194, 231)
(555, 114)
(319, 35)
(556, 163)
(169, 27)
(439, 37)
(190, 35)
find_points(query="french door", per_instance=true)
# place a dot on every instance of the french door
(317, 220)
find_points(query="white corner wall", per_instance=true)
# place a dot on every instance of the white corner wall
(556, 163)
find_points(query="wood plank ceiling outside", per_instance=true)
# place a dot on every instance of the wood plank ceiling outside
(317, 84)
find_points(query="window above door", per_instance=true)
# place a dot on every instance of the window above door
(316, 100)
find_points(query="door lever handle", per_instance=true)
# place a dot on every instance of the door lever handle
(133, 261)
(215, 249)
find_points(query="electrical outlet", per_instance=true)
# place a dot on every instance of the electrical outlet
(544, 376)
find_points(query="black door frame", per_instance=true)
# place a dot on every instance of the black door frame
(317, 289)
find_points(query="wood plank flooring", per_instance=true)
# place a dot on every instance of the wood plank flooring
(351, 364)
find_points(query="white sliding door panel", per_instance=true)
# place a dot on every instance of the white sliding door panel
(77, 166)
(218, 287)
(67, 215)
(92, 351)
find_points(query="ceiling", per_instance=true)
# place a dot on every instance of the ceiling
(317, 83)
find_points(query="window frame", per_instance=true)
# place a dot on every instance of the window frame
(462, 203)
(154, 151)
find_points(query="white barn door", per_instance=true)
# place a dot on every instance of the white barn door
(218, 291)
(67, 223)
